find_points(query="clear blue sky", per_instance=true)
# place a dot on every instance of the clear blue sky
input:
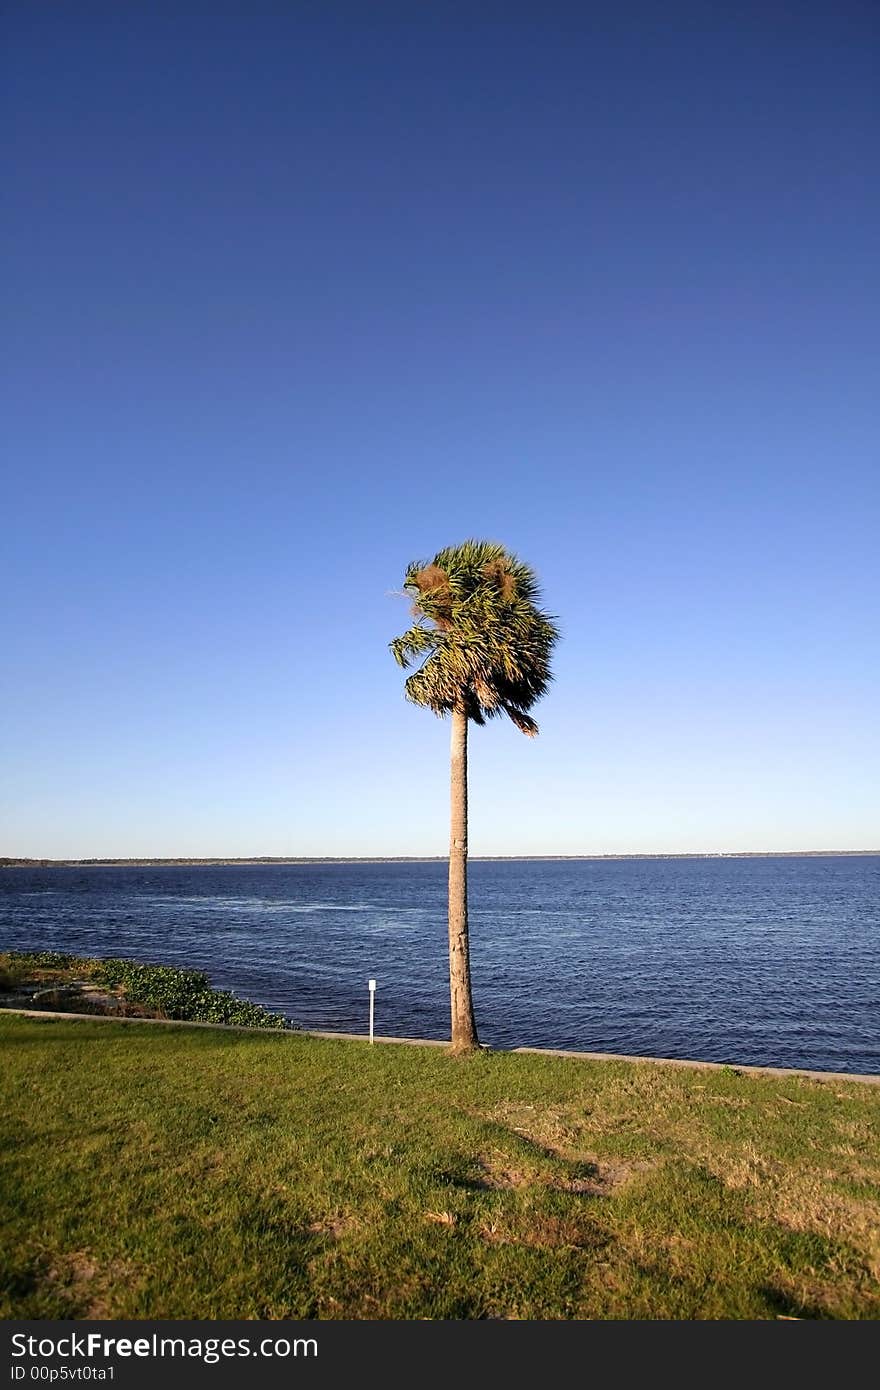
(298, 293)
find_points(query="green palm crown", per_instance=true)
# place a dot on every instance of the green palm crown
(482, 642)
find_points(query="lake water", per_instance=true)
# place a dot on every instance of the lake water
(772, 961)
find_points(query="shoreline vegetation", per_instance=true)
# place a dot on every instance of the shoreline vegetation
(184, 1172)
(111, 987)
(183, 862)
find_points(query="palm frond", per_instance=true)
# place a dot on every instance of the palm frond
(522, 721)
(412, 644)
(487, 644)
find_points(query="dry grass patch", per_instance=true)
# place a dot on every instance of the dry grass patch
(85, 1285)
(543, 1230)
(558, 1139)
(498, 1171)
(334, 1227)
(607, 1178)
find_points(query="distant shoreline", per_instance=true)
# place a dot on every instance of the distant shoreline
(12, 863)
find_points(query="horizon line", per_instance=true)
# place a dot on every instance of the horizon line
(23, 861)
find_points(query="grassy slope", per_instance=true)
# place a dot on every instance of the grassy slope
(149, 1172)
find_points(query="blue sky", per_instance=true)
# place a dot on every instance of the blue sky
(300, 293)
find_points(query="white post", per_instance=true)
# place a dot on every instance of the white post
(372, 985)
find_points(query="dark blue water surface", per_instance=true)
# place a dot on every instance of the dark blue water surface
(771, 961)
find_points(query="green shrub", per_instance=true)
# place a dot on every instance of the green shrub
(45, 960)
(182, 994)
(186, 995)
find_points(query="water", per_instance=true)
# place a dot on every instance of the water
(767, 961)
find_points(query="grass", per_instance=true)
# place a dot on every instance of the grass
(170, 1172)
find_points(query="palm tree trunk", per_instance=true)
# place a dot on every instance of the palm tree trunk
(464, 1028)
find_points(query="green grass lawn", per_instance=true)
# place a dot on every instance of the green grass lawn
(163, 1172)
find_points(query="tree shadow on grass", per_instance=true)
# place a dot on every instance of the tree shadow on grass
(510, 1159)
(783, 1304)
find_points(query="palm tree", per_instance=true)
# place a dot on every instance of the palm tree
(485, 651)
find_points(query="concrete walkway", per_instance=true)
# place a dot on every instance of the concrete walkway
(836, 1076)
